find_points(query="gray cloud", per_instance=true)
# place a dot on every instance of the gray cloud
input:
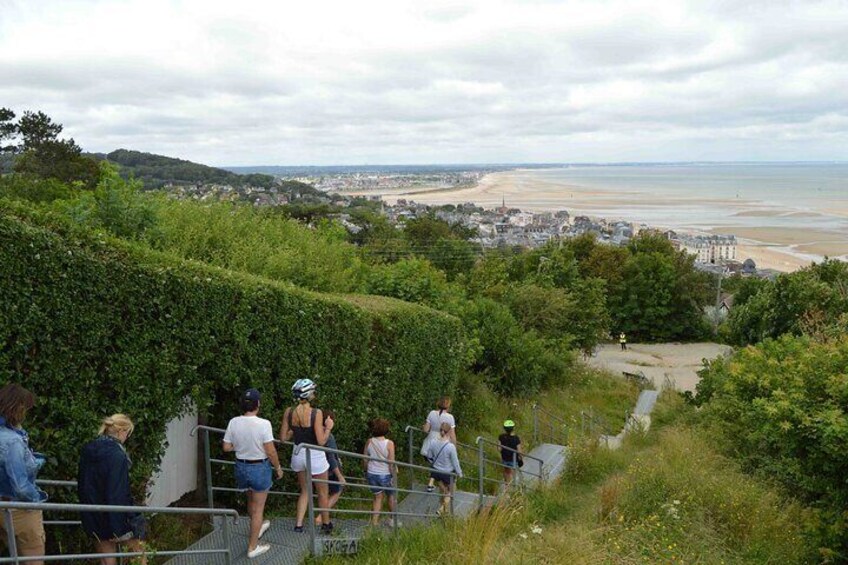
(402, 82)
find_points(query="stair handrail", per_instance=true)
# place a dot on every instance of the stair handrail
(538, 409)
(411, 445)
(208, 460)
(6, 508)
(515, 454)
(310, 482)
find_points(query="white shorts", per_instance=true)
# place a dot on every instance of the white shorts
(318, 461)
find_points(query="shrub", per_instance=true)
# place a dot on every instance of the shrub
(260, 242)
(514, 362)
(781, 409)
(94, 325)
(413, 280)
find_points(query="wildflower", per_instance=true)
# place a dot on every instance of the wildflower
(536, 530)
(523, 535)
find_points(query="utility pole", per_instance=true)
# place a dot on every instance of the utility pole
(718, 302)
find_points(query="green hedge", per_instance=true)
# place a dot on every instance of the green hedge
(94, 325)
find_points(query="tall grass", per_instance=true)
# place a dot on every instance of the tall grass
(666, 497)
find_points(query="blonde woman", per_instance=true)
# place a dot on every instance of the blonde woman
(104, 478)
(445, 462)
(305, 424)
(432, 427)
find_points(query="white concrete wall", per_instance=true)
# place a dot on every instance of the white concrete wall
(178, 474)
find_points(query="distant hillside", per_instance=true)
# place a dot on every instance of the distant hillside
(157, 170)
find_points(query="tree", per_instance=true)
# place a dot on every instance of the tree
(44, 155)
(7, 130)
(795, 303)
(37, 129)
(576, 318)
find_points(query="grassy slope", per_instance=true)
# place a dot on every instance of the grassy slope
(665, 497)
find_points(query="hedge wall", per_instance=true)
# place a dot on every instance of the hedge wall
(94, 326)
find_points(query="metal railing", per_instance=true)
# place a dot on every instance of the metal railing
(7, 507)
(394, 514)
(63, 484)
(480, 461)
(518, 472)
(461, 448)
(594, 424)
(211, 489)
(557, 427)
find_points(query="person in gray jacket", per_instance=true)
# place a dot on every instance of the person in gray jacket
(445, 461)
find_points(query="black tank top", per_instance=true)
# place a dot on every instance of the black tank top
(303, 434)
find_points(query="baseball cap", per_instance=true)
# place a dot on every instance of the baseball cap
(251, 394)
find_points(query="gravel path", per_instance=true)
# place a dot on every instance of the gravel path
(676, 363)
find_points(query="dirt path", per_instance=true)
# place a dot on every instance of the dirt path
(676, 362)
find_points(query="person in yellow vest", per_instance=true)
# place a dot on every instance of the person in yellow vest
(622, 339)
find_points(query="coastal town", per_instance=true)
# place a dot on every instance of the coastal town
(503, 226)
(506, 226)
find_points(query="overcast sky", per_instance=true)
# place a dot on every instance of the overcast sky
(426, 81)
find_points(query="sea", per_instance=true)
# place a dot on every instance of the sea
(702, 196)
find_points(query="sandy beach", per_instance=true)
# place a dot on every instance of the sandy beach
(770, 246)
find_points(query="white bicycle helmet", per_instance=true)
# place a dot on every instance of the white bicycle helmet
(304, 389)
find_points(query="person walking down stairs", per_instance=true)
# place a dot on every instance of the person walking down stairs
(510, 459)
(252, 439)
(381, 471)
(305, 424)
(442, 453)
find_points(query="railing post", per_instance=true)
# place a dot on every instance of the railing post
(208, 463)
(481, 470)
(395, 484)
(516, 471)
(10, 534)
(310, 504)
(225, 530)
(536, 424)
(591, 421)
(410, 444)
(582, 424)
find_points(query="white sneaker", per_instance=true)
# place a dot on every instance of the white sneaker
(265, 525)
(260, 549)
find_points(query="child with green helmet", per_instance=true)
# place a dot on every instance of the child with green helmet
(511, 450)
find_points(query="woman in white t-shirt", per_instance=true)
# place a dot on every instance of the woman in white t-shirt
(432, 425)
(252, 440)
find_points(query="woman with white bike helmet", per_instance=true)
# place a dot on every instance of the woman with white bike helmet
(305, 424)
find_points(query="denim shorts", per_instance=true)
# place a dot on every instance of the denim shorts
(380, 483)
(253, 476)
(509, 463)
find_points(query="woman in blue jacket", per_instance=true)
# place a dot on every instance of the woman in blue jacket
(18, 467)
(104, 478)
